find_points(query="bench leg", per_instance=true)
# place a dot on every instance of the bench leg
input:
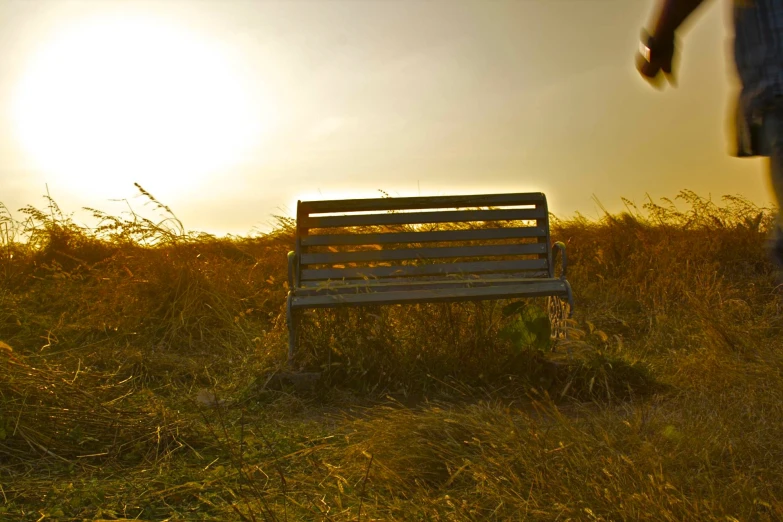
(291, 330)
(557, 311)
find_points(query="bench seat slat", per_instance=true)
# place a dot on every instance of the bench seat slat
(470, 267)
(326, 258)
(406, 218)
(354, 287)
(541, 287)
(494, 276)
(416, 203)
(386, 238)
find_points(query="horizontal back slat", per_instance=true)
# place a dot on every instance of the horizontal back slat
(328, 258)
(471, 267)
(406, 218)
(417, 203)
(423, 237)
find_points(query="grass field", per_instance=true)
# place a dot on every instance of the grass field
(139, 368)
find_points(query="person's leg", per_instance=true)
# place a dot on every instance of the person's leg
(772, 146)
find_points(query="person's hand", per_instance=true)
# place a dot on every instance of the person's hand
(656, 56)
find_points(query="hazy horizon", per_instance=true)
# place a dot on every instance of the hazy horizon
(230, 111)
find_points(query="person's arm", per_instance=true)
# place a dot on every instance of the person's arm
(657, 49)
(671, 16)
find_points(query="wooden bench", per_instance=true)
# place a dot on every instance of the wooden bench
(357, 252)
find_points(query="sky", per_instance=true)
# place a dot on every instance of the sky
(229, 111)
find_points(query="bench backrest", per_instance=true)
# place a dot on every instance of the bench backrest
(408, 239)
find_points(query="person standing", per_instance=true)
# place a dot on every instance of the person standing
(758, 57)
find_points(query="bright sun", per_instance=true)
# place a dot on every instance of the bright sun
(124, 99)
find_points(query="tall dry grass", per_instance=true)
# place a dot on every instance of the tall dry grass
(139, 367)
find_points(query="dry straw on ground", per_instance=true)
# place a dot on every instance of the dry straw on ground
(138, 380)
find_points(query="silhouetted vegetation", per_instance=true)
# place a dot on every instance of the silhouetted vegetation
(141, 364)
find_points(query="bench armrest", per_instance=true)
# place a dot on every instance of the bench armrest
(293, 271)
(559, 245)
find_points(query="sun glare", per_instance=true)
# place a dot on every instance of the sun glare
(122, 99)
